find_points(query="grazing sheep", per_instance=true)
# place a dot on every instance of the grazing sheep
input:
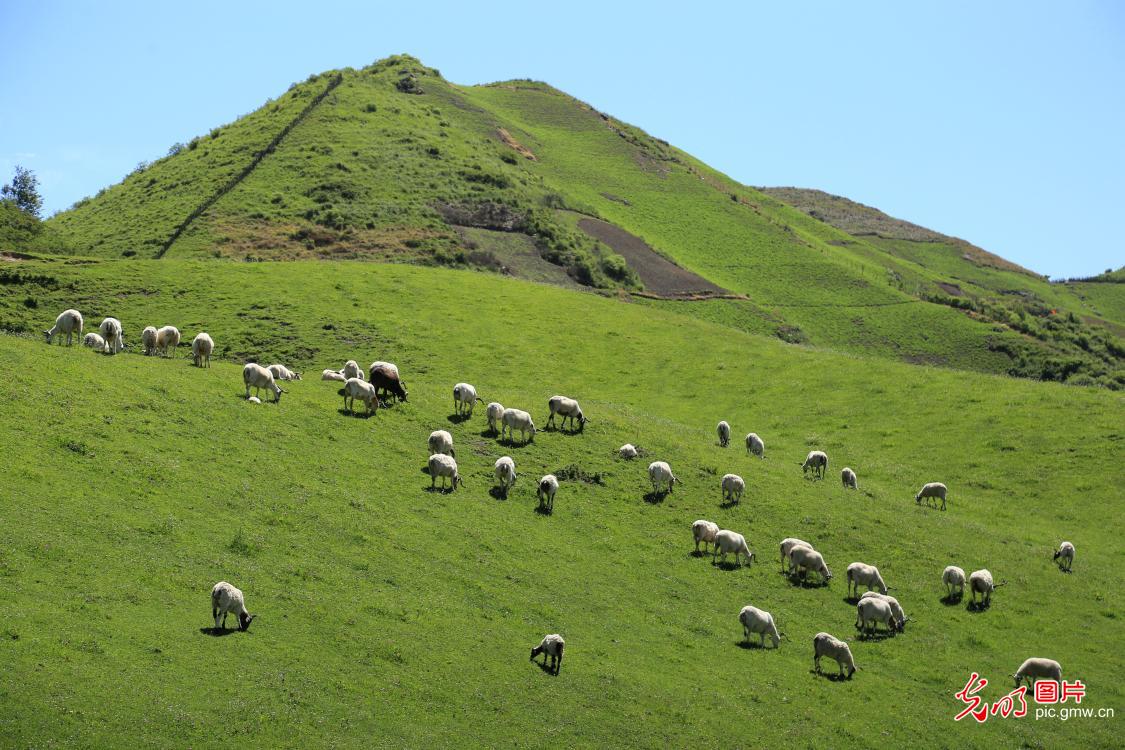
(94, 341)
(980, 582)
(201, 348)
(952, 577)
(729, 541)
(333, 375)
(660, 474)
(384, 376)
(874, 611)
(733, 487)
(896, 608)
(441, 442)
(704, 531)
(465, 398)
(390, 367)
(281, 372)
(759, 621)
(628, 451)
(805, 559)
(847, 476)
(548, 486)
(724, 433)
(441, 465)
(787, 545)
(933, 490)
(515, 419)
(865, 575)
(110, 329)
(225, 599)
(359, 388)
(832, 647)
(351, 369)
(148, 340)
(552, 648)
(257, 377)
(254, 400)
(494, 412)
(68, 322)
(755, 445)
(1066, 553)
(505, 471)
(569, 409)
(167, 339)
(817, 461)
(1035, 669)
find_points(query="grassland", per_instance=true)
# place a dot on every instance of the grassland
(391, 616)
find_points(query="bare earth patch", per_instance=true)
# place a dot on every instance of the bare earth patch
(515, 145)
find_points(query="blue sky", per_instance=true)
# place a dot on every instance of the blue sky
(999, 122)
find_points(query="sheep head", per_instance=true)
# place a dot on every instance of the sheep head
(244, 620)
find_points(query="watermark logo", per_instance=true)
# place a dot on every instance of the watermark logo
(1046, 694)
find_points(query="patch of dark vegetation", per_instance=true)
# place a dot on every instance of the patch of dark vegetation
(575, 473)
(485, 215)
(616, 199)
(486, 178)
(408, 84)
(10, 278)
(77, 446)
(791, 334)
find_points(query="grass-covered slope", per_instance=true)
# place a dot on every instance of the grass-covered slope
(389, 615)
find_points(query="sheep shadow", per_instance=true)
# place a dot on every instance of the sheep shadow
(805, 583)
(546, 667)
(426, 470)
(697, 553)
(728, 504)
(951, 600)
(572, 432)
(654, 498)
(459, 418)
(543, 510)
(496, 493)
(218, 632)
(876, 636)
(352, 413)
(437, 490)
(977, 607)
(750, 646)
(728, 565)
(1065, 570)
(488, 432)
(852, 600)
(511, 443)
(830, 676)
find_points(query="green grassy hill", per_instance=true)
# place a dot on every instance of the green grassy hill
(389, 615)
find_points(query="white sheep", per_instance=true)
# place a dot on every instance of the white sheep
(980, 582)
(390, 367)
(569, 409)
(874, 611)
(465, 398)
(787, 545)
(896, 608)
(94, 341)
(733, 487)
(953, 577)
(148, 340)
(704, 531)
(257, 377)
(201, 347)
(69, 322)
(755, 445)
(1035, 669)
(441, 465)
(832, 647)
(847, 477)
(817, 461)
(167, 339)
(548, 486)
(110, 330)
(1066, 553)
(552, 648)
(494, 412)
(759, 621)
(351, 369)
(724, 433)
(225, 599)
(932, 490)
(359, 388)
(729, 541)
(660, 474)
(333, 375)
(516, 419)
(441, 442)
(862, 574)
(281, 372)
(802, 560)
(505, 470)
(628, 451)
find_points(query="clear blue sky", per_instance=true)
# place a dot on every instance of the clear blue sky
(999, 122)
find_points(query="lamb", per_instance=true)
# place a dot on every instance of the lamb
(724, 433)
(441, 465)
(932, 490)
(465, 398)
(729, 541)
(896, 608)
(281, 372)
(1035, 669)
(628, 451)
(167, 339)
(333, 375)
(847, 476)
(569, 409)
(660, 474)
(817, 461)
(755, 445)
(384, 376)
(505, 470)
(515, 419)
(704, 531)
(866, 575)
(874, 611)
(548, 486)
(351, 369)
(68, 322)
(94, 341)
(952, 577)
(552, 648)
(148, 340)
(258, 377)
(810, 560)
(980, 582)
(359, 388)
(201, 347)
(110, 329)
(733, 486)
(787, 545)
(494, 412)
(832, 647)
(758, 621)
(1066, 552)
(225, 599)
(441, 442)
